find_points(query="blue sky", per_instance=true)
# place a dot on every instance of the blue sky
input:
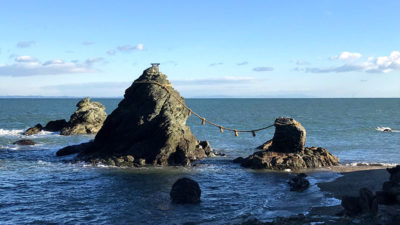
(207, 48)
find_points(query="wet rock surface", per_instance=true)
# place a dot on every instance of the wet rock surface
(87, 119)
(185, 191)
(33, 130)
(149, 124)
(24, 142)
(299, 183)
(286, 150)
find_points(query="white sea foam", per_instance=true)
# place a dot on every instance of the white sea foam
(386, 129)
(13, 132)
(369, 164)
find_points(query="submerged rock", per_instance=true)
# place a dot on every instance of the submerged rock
(55, 125)
(33, 130)
(150, 125)
(299, 183)
(24, 142)
(185, 191)
(286, 150)
(87, 119)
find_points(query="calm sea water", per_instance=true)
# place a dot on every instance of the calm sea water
(38, 188)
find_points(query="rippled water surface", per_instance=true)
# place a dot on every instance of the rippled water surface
(38, 188)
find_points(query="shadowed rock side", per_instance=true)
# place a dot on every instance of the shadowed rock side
(149, 125)
(286, 150)
(87, 119)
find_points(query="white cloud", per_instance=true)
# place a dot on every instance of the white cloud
(263, 69)
(214, 81)
(29, 66)
(87, 43)
(382, 64)
(347, 56)
(129, 48)
(25, 58)
(111, 52)
(25, 44)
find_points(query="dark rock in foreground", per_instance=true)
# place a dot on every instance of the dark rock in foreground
(150, 125)
(365, 203)
(24, 142)
(55, 125)
(185, 191)
(286, 150)
(299, 183)
(87, 119)
(33, 130)
(390, 193)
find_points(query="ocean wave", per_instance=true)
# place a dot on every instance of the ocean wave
(13, 132)
(354, 164)
(386, 129)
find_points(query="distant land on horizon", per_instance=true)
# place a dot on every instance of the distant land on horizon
(197, 97)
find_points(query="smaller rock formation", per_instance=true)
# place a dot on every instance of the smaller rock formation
(286, 150)
(390, 193)
(365, 203)
(55, 125)
(33, 130)
(24, 142)
(88, 119)
(185, 191)
(299, 183)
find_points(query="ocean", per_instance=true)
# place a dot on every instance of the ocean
(39, 188)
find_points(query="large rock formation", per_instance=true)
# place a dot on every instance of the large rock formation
(286, 150)
(149, 125)
(87, 119)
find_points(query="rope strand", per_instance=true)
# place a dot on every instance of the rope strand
(203, 120)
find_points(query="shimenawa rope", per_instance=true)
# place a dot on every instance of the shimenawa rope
(203, 120)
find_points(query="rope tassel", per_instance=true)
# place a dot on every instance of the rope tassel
(254, 133)
(203, 121)
(236, 133)
(221, 130)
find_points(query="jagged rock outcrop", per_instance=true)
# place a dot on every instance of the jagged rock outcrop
(87, 119)
(33, 130)
(148, 124)
(286, 150)
(185, 191)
